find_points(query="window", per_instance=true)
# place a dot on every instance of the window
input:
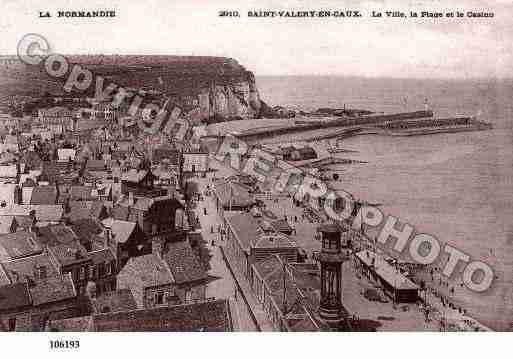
(159, 298)
(92, 272)
(82, 273)
(107, 269)
(101, 270)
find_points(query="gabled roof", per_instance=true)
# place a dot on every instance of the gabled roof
(44, 213)
(134, 175)
(183, 263)
(7, 193)
(21, 269)
(56, 234)
(69, 253)
(52, 289)
(6, 223)
(149, 270)
(44, 195)
(101, 256)
(86, 229)
(115, 301)
(13, 296)
(207, 316)
(18, 245)
(81, 193)
(122, 230)
(8, 171)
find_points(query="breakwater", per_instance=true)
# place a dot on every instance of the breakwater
(257, 134)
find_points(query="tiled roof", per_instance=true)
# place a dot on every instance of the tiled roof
(101, 256)
(97, 165)
(21, 269)
(86, 228)
(122, 230)
(52, 289)
(17, 245)
(56, 234)
(79, 210)
(150, 270)
(44, 195)
(281, 225)
(115, 301)
(6, 223)
(7, 191)
(184, 263)
(14, 296)
(246, 228)
(4, 278)
(80, 193)
(69, 253)
(208, 316)
(297, 306)
(8, 171)
(134, 176)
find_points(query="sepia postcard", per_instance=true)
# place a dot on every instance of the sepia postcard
(257, 166)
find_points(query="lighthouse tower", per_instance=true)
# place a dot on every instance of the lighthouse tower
(331, 258)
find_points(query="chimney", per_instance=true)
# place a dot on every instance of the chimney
(130, 198)
(157, 247)
(40, 272)
(18, 195)
(108, 238)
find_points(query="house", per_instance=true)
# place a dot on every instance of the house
(10, 193)
(56, 116)
(291, 153)
(88, 232)
(249, 240)
(137, 181)
(66, 154)
(18, 245)
(15, 306)
(77, 210)
(120, 300)
(162, 216)
(167, 152)
(71, 258)
(44, 195)
(205, 316)
(9, 173)
(80, 193)
(27, 305)
(171, 274)
(53, 298)
(31, 268)
(195, 162)
(102, 270)
(8, 224)
(125, 239)
(282, 226)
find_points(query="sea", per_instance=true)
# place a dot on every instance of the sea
(457, 187)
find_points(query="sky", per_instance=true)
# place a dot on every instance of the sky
(366, 46)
